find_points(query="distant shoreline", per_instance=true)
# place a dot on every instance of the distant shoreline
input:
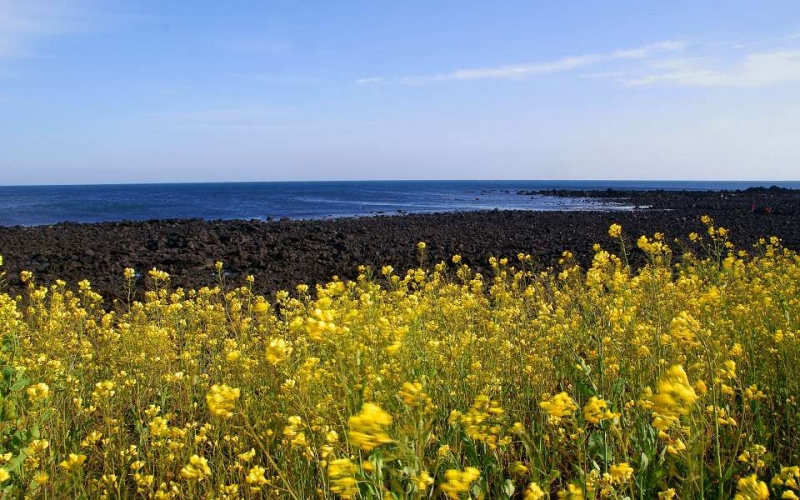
(43, 205)
(282, 254)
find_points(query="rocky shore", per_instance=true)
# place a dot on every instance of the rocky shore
(282, 254)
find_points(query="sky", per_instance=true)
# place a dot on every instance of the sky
(119, 91)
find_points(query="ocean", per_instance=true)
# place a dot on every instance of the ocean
(42, 205)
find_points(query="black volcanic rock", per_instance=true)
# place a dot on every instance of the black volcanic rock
(281, 254)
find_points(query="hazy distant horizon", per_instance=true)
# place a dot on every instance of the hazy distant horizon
(745, 182)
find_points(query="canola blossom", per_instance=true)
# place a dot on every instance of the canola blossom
(368, 427)
(666, 369)
(221, 400)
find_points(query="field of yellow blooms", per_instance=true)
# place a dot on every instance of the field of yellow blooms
(674, 378)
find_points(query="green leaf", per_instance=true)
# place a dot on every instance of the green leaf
(597, 445)
(15, 464)
(21, 384)
(478, 490)
(409, 471)
(618, 388)
(585, 389)
(509, 488)
(644, 461)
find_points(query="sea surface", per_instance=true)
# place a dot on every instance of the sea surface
(40, 205)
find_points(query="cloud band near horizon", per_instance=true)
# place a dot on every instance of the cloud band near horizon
(661, 63)
(541, 68)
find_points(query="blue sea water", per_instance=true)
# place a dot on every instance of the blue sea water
(39, 205)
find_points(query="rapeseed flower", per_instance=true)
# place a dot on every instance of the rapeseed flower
(73, 463)
(197, 469)
(221, 400)
(413, 395)
(458, 482)
(368, 427)
(294, 433)
(260, 307)
(423, 344)
(247, 456)
(278, 351)
(621, 472)
(559, 407)
(518, 468)
(37, 392)
(534, 492)
(103, 390)
(342, 476)
(256, 478)
(596, 411)
(750, 488)
(422, 480)
(572, 492)
(675, 397)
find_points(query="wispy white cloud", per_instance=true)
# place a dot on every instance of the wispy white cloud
(370, 81)
(748, 70)
(604, 75)
(25, 24)
(557, 66)
(561, 65)
(752, 63)
(649, 50)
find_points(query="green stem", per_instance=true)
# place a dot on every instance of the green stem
(286, 483)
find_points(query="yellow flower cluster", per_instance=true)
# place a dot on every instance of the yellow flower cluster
(368, 427)
(294, 433)
(663, 381)
(458, 482)
(342, 476)
(653, 247)
(750, 488)
(221, 400)
(596, 411)
(483, 422)
(675, 397)
(621, 473)
(789, 479)
(278, 351)
(559, 407)
(73, 463)
(38, 392)
(103, 390)
(414, 396)
(534, 492)
(196, 470)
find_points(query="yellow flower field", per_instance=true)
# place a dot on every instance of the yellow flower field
(677, 378)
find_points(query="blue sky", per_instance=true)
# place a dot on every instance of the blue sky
(152, 91)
